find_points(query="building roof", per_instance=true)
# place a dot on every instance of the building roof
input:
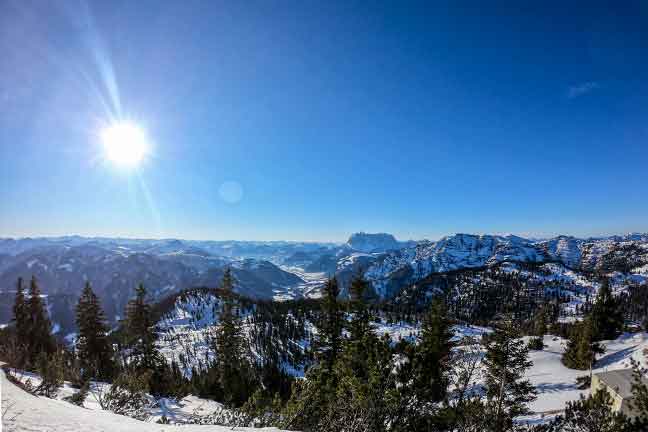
(620, 381)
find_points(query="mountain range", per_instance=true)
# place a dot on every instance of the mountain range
(283, 269)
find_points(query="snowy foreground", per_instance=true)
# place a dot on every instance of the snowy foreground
(30, 413)
(555, 384)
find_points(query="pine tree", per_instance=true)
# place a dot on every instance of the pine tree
(359, 325)
(540, 322)
(639, 402)
(20, 312)
(362, 369)
(505, 363)
(144, 357)
(312, 398)
(607, 315)
(51, 368)
(140, 331)
(329, 337)
(93, 349)
(581, 348)
(79, 397)
(361, 336)
(362, 399)
(592, 414)
(432, 359)
(231, 364)
(21, 321)
(539, 329)
(39, 327)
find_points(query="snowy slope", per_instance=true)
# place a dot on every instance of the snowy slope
(187, 328)
(564, 249)
(31, 413)
(556, 384)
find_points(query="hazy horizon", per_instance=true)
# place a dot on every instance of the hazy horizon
(529, 236)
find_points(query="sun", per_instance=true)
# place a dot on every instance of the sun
(124, 143)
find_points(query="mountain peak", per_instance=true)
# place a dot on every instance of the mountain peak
(372, 242)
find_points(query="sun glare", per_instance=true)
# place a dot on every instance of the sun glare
(124, 143)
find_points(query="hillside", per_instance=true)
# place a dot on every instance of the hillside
(31, 413)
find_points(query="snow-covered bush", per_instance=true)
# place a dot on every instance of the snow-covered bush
(536, 344)
(126, 396)
(51, 369)
(79, 397)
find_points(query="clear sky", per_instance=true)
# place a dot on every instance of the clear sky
(310, 120)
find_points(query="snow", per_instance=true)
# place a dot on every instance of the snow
(66, 267)
(449, 253)
(410, 332)
(32, 413)
(181, 411)
(310, 288)
(463, 331)
(187, 330)
(397, 331)
(556, 384)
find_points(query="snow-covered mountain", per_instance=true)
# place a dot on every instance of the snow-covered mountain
(283, 270)
(391, 271)
(380, 242)
(114, 270)
(269, 250)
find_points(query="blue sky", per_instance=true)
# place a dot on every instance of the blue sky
(419, 119)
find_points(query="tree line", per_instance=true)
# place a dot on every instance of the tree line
(357, 380)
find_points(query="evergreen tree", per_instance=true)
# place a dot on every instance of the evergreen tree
(233, 370)
(581, 348)
(79, 397)
(144, 357)
(361, 336)
(540, 322)
(329, 337)
(362, 372)
(51, 368)
(592, 414)
(21, 321)
(536, 343)
(432, 360)
(607, 315)
(140, 332)
(639, 401)
(539, 329)
(39, 327)
(507, 392)
(361, 318)
(93, 348)
(20, 313)
(313, 397)
(362, 401)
